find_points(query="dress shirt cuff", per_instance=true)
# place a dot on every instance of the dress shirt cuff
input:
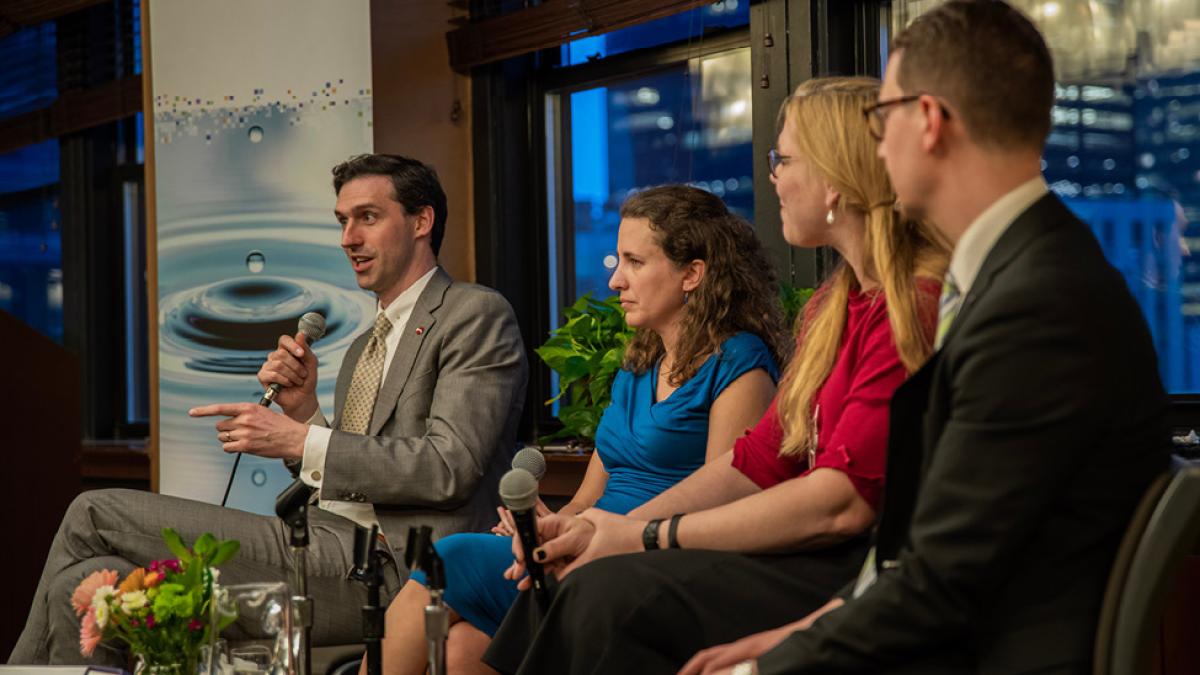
(316, 445)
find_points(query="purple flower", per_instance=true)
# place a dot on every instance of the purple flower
(161, 566)
(150, 621)
(194, 625)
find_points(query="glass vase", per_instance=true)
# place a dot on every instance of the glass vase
(146, 665)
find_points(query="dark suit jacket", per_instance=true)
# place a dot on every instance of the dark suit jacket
(1016, 456)
(444, 426)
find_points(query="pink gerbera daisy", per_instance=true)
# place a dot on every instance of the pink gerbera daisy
(89, 634)
(81, 599)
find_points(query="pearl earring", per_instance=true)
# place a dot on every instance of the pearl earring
(829, 217)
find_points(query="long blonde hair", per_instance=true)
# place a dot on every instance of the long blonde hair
(831, 134)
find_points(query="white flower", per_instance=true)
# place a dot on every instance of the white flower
(102, 594)
(132, 601)
(101, 611)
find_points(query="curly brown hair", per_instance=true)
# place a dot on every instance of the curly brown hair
(738, 291)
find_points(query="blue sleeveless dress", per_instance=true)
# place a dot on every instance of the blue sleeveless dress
(646, 447)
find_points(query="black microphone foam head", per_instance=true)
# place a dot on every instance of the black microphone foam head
(518, 490)
(531, 460)
(312, 324)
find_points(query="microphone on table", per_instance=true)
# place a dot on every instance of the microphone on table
(312, 324)
(532, 461)
(519, 491)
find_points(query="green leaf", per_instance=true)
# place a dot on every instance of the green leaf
(565, 432)
(192, 574)
(225, 551)
(793, 299)
(204, 545)
(613, 358)
(554, 355)
(175, 544)
(600, 390)
(575, 368)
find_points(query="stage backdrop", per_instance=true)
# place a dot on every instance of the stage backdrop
(253, 101)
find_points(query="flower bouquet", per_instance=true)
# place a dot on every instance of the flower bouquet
(163, 612)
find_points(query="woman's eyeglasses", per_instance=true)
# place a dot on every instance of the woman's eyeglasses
(775, 160)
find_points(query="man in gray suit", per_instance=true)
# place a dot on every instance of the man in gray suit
(427, 405)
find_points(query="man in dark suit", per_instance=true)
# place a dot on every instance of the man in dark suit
(427, 401)
(1018, 453)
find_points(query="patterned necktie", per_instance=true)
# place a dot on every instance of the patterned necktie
(364, 385)
(948, 307)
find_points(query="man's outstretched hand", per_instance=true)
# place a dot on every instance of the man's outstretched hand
(256, 430)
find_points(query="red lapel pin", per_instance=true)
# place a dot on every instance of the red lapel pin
(420, 330)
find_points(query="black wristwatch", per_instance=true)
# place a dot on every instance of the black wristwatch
(650, 535)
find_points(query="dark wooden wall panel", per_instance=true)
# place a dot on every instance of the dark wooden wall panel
(41, 443)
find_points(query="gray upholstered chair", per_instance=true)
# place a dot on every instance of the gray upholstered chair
(1162, 533)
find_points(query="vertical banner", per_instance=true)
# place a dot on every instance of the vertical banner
(254, 101)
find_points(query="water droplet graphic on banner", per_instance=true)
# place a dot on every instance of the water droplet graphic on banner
(231, 201)
(255, 261)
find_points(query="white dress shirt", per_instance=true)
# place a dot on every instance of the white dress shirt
(316, 443)
(983, 232)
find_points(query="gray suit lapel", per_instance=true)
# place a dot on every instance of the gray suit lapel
(406, 352)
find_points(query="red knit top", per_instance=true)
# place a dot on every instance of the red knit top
(851, 407)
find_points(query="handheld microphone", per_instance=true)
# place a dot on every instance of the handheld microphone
(532, 461)
(312, 325)
(519, 491)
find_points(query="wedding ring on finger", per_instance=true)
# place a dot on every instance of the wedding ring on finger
(228, 437)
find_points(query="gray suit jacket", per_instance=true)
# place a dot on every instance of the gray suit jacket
(445, 422)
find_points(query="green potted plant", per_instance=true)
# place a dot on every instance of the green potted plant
(793, 299)
(586, 352)
(589, 348)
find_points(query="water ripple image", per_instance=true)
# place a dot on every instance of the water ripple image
(247, 243)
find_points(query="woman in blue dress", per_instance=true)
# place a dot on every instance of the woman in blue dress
(700, 370)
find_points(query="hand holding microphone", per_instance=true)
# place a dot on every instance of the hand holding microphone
(519, 491)
(531, 460)
(251, 429)
(289, 376)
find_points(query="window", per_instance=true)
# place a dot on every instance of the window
(682, 121)
(72, 256)
(1124, 153)
(31, 276)
(687, 123)
(30, 237)
(28, 80)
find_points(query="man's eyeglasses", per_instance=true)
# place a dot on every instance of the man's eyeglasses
(775, 160)
(877, 113)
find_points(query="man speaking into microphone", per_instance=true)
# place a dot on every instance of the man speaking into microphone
(426, 409)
